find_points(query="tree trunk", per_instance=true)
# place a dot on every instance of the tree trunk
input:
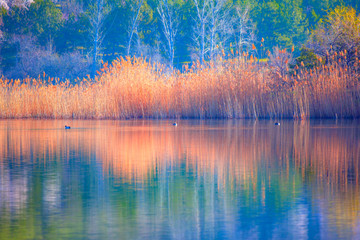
(97, 25)
(133, 27)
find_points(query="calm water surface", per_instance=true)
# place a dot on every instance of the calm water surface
(199, 180)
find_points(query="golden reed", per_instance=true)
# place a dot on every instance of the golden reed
(236, 88)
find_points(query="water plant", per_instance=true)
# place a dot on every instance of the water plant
(241, 87)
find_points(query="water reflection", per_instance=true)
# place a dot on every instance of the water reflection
(212, 179)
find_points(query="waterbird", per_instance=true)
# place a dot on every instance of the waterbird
(277, 124)
(67, 127)
(174, 124)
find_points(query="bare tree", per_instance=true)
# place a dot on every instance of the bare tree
(202, 11)
(4, 4)
(219, 25)
(243, 29)
(279, 61)
(134, 23)
(96, 22)
(7, 4)
(213, 26)
(170, 22)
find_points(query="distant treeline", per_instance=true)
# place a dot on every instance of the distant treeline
(70, 38)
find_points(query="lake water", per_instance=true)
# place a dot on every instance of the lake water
(199, 180)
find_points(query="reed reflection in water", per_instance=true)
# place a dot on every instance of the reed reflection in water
(202, 179)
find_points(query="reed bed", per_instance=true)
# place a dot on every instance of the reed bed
(235, 88)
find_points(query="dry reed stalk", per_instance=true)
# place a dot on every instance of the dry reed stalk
(236, 88)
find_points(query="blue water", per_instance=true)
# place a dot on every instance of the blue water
(198, 180)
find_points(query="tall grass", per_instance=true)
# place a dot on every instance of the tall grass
(236, 88)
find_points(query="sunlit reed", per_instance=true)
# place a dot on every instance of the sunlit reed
(236, 88)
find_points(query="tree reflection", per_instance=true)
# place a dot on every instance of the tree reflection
(207, 180)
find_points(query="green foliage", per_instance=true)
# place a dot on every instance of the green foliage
(115, 39)
(45, 20)
(338, 31)
(8, 52)
(74, 34)
(316, 9)
(307, 59)
(66, 27)
(42, 20)
(15, 21)
(281, 23)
